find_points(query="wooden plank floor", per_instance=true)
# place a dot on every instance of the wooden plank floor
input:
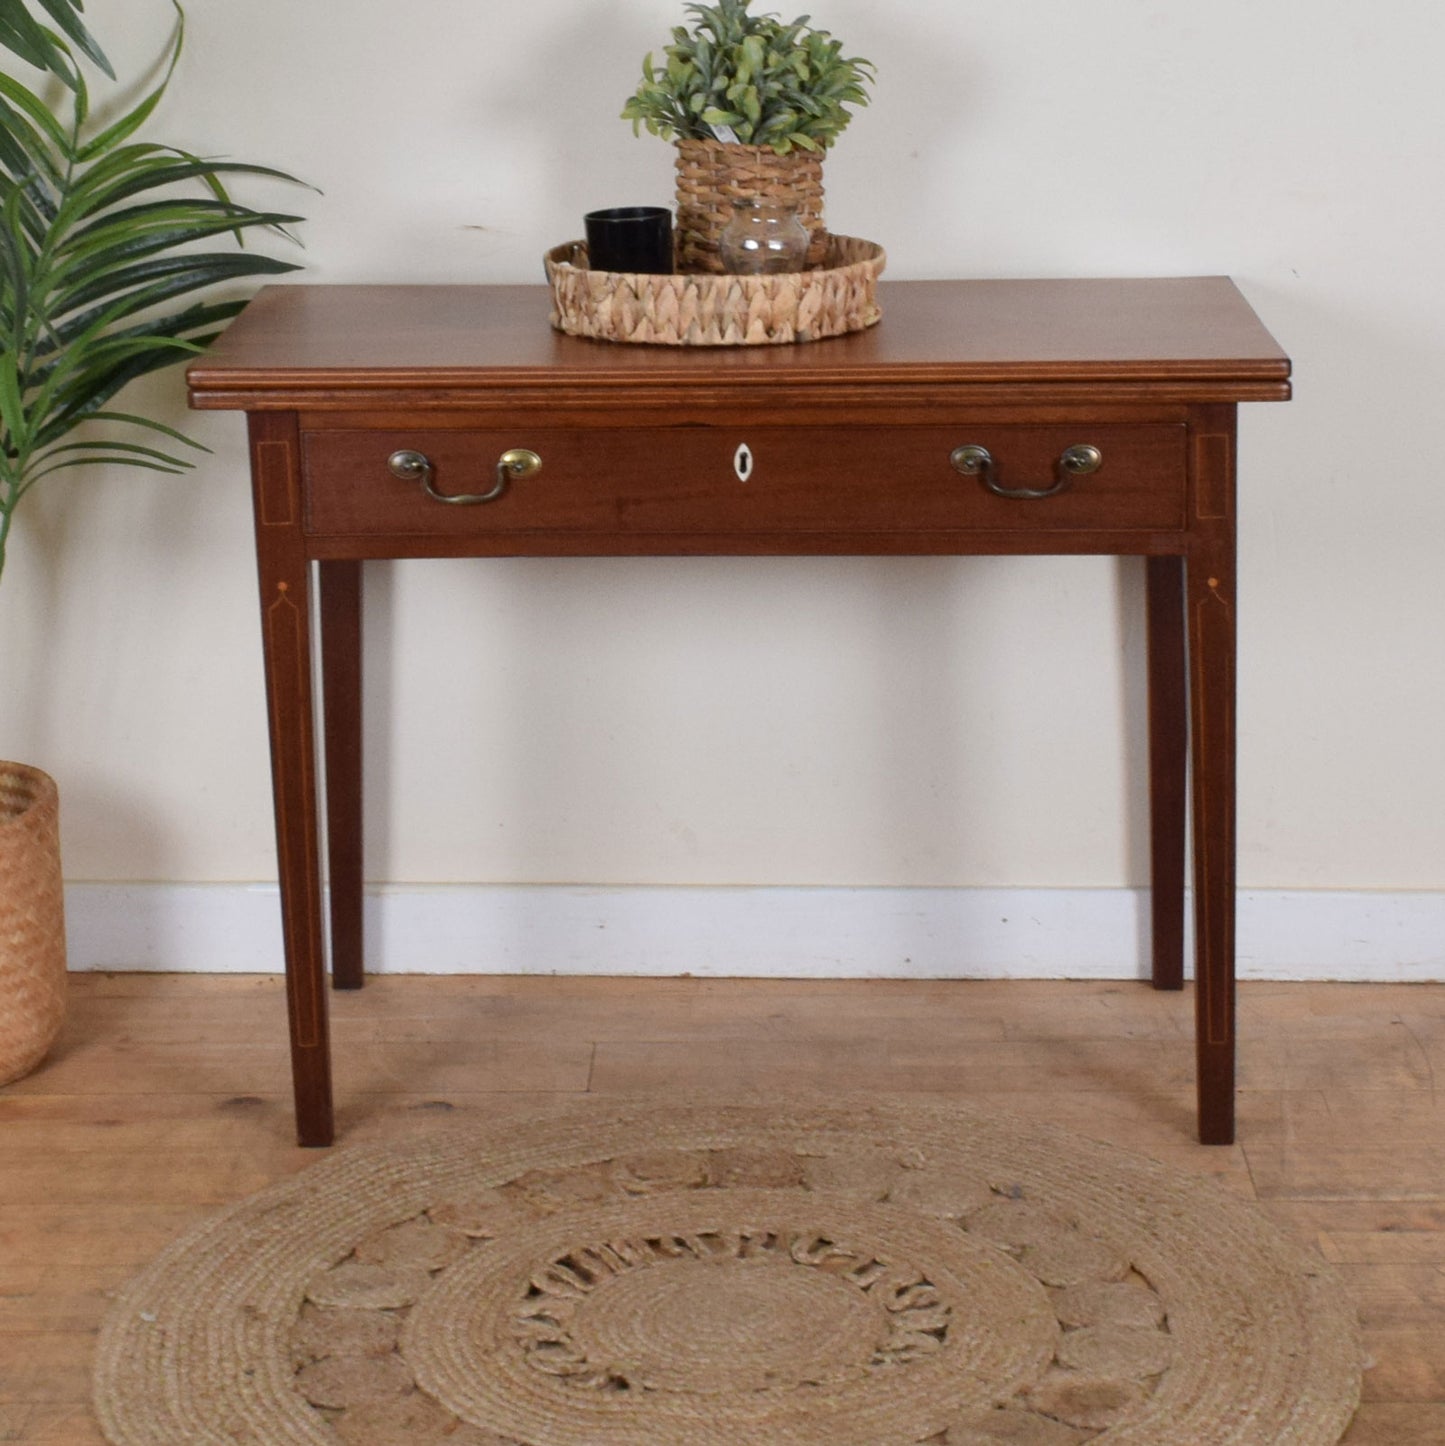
(167, 1097)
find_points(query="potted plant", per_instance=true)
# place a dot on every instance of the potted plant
(752, 104)
(105, 274)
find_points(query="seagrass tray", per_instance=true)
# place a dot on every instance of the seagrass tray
(706, 310)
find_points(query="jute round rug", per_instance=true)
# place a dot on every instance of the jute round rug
(680, 1273)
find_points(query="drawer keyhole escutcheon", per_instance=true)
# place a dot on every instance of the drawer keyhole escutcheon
(743, 461)
(1076, 461)
(413, 466)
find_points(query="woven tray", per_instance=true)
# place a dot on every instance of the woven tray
(701, 310)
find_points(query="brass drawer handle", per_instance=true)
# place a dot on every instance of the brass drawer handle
(413, 466)
(1077, 461)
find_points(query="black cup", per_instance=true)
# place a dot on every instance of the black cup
(630, 238)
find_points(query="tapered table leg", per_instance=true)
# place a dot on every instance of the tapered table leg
(285, 584)
(1210, 600)
(341, 715)
(1168, 767)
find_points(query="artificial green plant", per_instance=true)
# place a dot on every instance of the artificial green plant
(22, 32)
(106, 271)
(750, 78)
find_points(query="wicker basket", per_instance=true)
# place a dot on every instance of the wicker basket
(32, 919)
(700, 310)
(714, 177)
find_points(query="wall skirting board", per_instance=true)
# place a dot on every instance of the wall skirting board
(783, 932)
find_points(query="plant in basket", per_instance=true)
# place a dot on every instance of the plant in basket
(107, 272)
(752, 103)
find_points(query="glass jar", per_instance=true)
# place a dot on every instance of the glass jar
(763, 238)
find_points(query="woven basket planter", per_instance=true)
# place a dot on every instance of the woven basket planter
(32, 919)
(703, 310)
(714, 177)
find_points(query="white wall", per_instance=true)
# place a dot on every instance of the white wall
(971, 722)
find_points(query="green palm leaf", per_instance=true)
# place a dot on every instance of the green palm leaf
(104, 271)
(22, 33)
(179, 275)
(137, 116)
(35, 110)
(132, 170)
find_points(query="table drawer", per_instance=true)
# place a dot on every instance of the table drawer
(704, 479)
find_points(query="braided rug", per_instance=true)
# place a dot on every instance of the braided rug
(783, 1273)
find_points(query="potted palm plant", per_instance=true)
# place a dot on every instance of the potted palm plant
(752, 103)
(107, 272)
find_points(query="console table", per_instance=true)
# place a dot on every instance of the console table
(1070, 416)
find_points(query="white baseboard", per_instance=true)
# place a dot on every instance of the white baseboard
(783, 932)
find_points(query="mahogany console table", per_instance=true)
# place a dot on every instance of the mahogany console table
(979, 417)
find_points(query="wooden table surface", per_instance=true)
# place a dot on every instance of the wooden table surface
(1191, 337)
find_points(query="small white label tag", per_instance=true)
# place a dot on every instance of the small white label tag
(726, 134)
